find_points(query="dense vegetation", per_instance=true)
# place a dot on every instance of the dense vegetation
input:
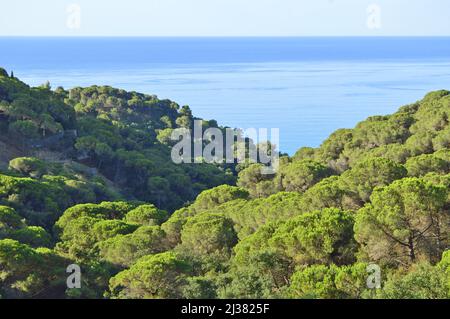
(93, 184)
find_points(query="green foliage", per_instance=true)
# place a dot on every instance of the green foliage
(255, 182)
(99, 189)
(106, 229)
(427, 163)
(199, 288)
(33, 236)
(124, 250)
(332, 148)
(248, 216)
(83, 228)
(152, 277)
(25, 128)
(405, 222)
(146, 215)
(319, 237)
(364, 177)
(423, 281)
(314, 282)
(219, 195)
(76, 239)
(39, 202)
(3, 73)
(30, 167)
(247, 284)
(394, 152)
(9, 220)
(268, 268)
(442, 140)
(298, 176)
(174, 225)
(111, 130)
(105, 210)
(328, 193)
(207, 233)
(329, 282)
(26, 272)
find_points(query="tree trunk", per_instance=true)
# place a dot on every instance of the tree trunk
(412, 253)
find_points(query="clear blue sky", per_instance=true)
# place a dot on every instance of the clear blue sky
(225, 17)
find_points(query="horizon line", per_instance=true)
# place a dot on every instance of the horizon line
(225, 36)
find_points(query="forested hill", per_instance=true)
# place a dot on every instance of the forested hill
(88, 180)
(123, 136)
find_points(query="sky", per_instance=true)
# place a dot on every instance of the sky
(224, 18)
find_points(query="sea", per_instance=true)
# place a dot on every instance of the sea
(307, 87)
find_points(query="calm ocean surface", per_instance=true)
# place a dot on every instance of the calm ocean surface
(307, 87)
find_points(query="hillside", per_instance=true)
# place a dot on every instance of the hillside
(120, 134)
(94, 185)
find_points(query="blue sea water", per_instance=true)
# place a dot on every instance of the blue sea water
(306, 87)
